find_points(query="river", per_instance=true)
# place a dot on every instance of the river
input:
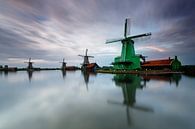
(76, 100)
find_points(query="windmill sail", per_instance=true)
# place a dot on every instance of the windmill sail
(140, 35)
(127, 27)
(114, 40)
(86, 52)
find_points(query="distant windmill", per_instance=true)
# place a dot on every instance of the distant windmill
(63, 64)
(30, 64)
(86, 59)
(128, 59)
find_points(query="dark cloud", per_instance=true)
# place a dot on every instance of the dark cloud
(39, 5)
(176, 28)
(178, 8)
(14, 45)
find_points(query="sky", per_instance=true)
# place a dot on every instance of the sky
(50, 30)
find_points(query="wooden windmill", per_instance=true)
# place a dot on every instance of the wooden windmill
(63, 64)
(128, 59)
(30, 64)
(86, 60)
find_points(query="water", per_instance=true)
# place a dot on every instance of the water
(74, 100)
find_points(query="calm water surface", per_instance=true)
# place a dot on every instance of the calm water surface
(74, 100)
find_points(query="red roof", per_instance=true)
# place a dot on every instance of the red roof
(91, 65)
(163, 62)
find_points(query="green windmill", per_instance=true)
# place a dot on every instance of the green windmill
(128, 59)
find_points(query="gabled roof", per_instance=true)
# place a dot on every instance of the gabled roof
(92, 65)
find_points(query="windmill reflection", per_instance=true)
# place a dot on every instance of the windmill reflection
(30, 75)
(86, 75)
(1, 73)
(130, 83)
(5, 73)
(171, 78)
(63, 73)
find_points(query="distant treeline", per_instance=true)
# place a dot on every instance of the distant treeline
(188, 69)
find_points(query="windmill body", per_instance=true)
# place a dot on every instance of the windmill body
(86, 65)
(30, 64)
(128, 59)
(63, 65)
(86, 60)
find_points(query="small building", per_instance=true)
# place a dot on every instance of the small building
(172, 64)
(91, 67)
(6, 66)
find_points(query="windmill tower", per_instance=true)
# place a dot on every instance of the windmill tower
(30, 64)
(128, 59)
(63, 64)
(86, 59)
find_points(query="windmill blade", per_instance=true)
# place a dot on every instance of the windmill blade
(137, 107)
(114, 40)
(143, 108)
(141, 56)
(30, 62)
(81, 55)
(140, 35)
(91, 56)
(127, 27)
(86, 52)
(115, 102)
(62, 62)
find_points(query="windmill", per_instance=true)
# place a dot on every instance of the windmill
(30, 64)
(128, 59)
(86, 59)
(63, 64)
